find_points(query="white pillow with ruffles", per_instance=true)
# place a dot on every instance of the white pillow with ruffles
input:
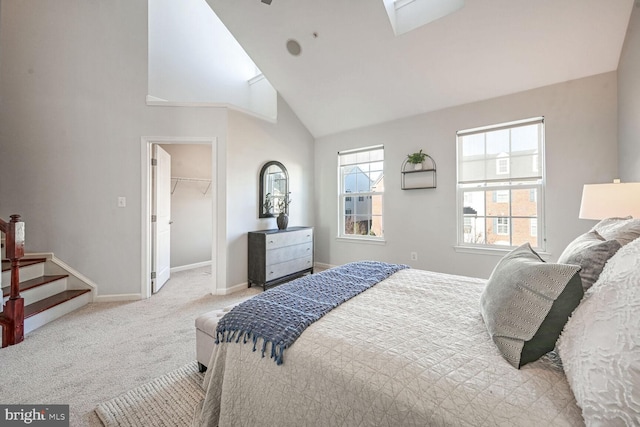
(600, 344)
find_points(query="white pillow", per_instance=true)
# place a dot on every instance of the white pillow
(600, 344)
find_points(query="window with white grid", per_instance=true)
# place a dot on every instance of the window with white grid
(501, 185)
(361, 193)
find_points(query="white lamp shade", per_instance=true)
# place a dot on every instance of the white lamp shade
(601, 201)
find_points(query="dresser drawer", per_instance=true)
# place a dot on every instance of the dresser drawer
(282, 269)
(278, 240)
(287, 253)
(279, 255)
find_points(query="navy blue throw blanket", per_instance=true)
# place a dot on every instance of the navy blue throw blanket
(279, 315)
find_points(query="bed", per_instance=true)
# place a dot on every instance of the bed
(415, 350)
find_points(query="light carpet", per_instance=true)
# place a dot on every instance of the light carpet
(104, 349)
(169, 400)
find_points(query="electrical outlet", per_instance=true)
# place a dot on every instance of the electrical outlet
(414, 256)
(122, 202)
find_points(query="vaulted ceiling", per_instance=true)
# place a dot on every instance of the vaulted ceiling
(353, 71)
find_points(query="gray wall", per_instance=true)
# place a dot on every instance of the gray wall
(71, 122)
(629, 101)
(191, 214)
(252, 143)
(73, 89)
(581, 147)
(74, 82)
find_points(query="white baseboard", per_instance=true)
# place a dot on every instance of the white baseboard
(117, 298)
(235, 288)
(47, 255)
(322, 266)
(84, 279)
(190, 266)
(79, 280)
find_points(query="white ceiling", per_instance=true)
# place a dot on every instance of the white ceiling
(356, 72)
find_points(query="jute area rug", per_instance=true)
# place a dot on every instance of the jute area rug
(169, 400)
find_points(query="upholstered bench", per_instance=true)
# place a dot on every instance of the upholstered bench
(206, 335)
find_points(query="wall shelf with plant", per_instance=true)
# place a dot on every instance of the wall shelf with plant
(418, 171)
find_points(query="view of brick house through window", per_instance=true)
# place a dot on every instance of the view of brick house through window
(361, 193)
(500, 185)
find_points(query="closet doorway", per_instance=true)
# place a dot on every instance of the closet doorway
(192, 196)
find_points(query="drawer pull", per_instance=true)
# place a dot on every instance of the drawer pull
(270, 241)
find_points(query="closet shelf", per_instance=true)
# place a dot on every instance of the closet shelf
(178, 179)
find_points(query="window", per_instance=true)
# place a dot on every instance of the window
(502, 226)
(501, 184)
(502, 164)
(502, 196)
(533, 227)
(362, 175)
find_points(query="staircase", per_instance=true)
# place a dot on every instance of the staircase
(47, 294)
(36, 290)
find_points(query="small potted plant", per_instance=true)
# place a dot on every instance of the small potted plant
(416, 159)
(283, 208)
(268, 204)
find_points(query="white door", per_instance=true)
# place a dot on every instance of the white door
(161, 250)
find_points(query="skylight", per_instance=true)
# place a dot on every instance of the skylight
(194, 59)
(407, 15)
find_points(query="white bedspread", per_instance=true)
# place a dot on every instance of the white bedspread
(411, 351)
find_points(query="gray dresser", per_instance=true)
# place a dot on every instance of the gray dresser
(279, 255)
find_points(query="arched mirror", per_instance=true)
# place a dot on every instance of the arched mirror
(274, 186)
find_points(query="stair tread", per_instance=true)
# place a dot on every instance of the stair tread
(52, 301)
(33, 283)
(24, 262)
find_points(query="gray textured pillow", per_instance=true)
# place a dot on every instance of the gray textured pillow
(591, 252)
(527, 302)
(624, 230)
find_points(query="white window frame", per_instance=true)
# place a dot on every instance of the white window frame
(502, 196)
(464, 189)
(533, 227)
(502, 165)
(502, 226)
(355, 198)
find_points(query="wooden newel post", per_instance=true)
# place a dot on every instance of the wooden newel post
(13, 331)
(15, 251)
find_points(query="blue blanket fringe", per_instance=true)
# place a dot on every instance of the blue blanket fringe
(279, 315)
